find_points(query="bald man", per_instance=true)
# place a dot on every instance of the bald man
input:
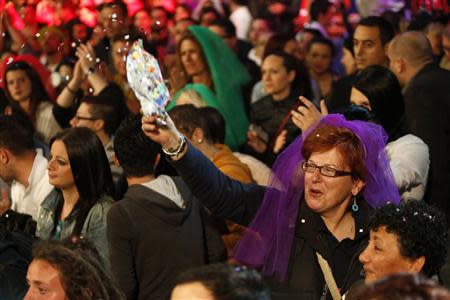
(427, 105)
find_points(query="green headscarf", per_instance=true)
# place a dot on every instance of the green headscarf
(228, 76)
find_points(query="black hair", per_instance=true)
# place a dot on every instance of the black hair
(403, 286)
(90, 169)
(421, 230)
(134, 150)
(14, 136)
(277, 42)
(384, 27)
(68, 27)
(38, 91)
(107, 110)
(66, 61)
(301, 84)
(216, 123)
(3, 101)
(227, 25)
(87, 251)
(228, 282)
(187, 118)
(206, 10)
(382, 89)
(241, 2)
(325, 42)
(115, 3)
(319, 7)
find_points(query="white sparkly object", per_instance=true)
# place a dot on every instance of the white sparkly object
(145, 78)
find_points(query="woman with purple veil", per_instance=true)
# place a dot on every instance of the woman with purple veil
(308, 227)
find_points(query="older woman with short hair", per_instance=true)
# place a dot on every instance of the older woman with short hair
(411, 237)
(312, 220)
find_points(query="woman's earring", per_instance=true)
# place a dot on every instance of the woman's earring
(200, 141)
(355, 206)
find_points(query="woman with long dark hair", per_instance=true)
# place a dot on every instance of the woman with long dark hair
(27, 93)
(377, 89)
(284, 80)
(83, 193)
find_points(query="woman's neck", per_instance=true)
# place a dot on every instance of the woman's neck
(341, 225)
(203, 78)
(25, 106)
(319, 76)
(282, 95)
(70, 197)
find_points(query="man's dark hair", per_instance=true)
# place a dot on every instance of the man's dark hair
(384, 27)
(319, 7)
(115, 3)
(227, 25)
(206, 10)
(216, 123)
(187, 118)
(14, 136)
(104, 109)
(226, 281)
(421, 230)
(134, 150)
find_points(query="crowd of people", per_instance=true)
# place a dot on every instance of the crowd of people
(303, 154)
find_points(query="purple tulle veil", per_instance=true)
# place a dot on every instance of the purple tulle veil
(268, 241)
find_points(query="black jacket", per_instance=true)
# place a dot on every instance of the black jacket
(427, 107)
(239, 202)
(151, 240)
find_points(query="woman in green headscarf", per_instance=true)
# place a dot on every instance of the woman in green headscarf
(209, 68)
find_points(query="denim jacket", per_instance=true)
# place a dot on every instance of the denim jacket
(94, 227)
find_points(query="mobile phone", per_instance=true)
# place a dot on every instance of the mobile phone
(260, 132)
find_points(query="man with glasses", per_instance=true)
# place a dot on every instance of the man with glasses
(102, 115)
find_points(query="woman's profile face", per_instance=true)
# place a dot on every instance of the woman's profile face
(275, 77)
(358, 98)
(191, 58)
(59, 169)
(44, 282)
(329, 195)
(18, 84)
(319, 58)
(382, 256)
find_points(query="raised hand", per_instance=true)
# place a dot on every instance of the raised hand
(86, 57)
(307, 115)
(162, 131)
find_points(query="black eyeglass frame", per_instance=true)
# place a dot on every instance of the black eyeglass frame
(337, 173)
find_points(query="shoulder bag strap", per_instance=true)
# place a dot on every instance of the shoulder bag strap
(329, 279)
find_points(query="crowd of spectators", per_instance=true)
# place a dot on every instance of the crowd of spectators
(305, 150)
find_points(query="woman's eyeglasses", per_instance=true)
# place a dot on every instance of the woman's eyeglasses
(328, 171)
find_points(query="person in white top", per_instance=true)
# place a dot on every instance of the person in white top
(241, 18)
(24, 167)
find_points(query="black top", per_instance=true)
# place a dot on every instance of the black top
(269, 114)
(427, 108)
